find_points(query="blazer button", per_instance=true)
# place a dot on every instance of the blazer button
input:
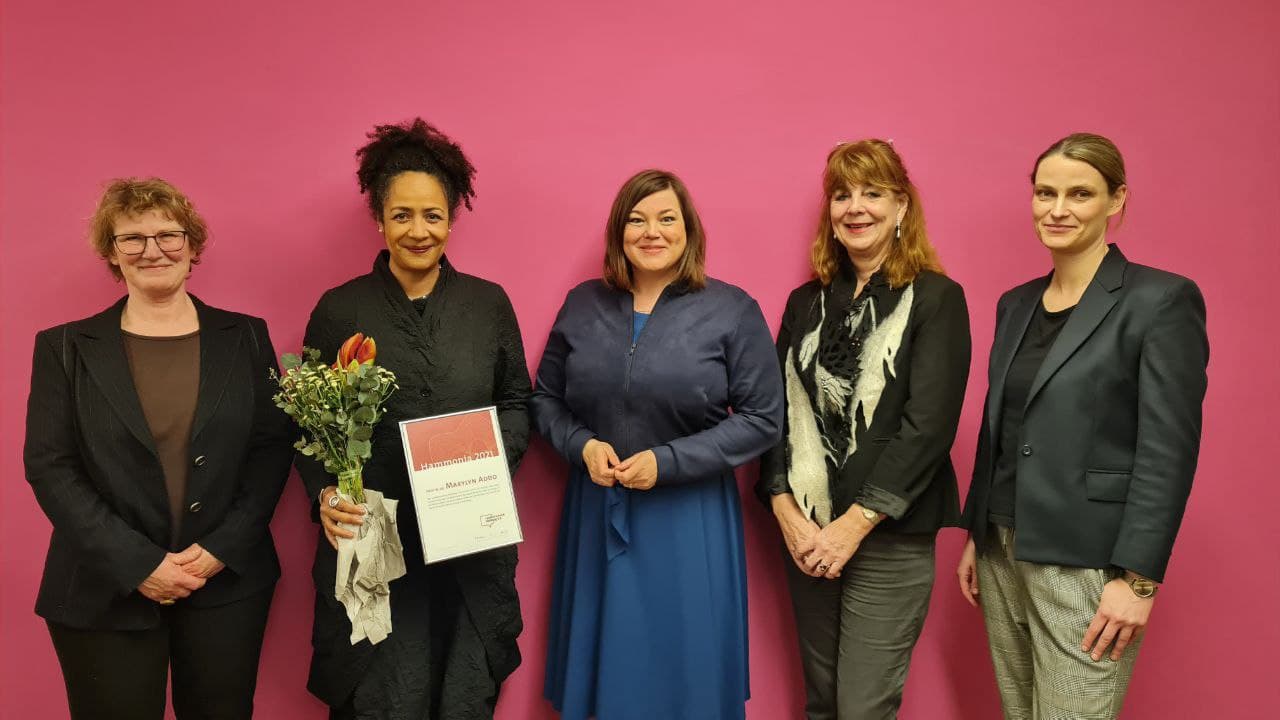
(195, 507)
(1026, 450)
(424, 392)
(198, 461)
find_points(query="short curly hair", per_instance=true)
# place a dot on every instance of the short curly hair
(134, 196)
(413, 146)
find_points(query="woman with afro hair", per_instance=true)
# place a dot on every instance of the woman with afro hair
(453, 343)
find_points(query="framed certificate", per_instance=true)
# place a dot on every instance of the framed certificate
(461, 486)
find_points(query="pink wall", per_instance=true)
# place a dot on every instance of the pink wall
(255, 110)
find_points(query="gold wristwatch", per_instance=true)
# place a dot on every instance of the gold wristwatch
(1142, 587)
(872, 516)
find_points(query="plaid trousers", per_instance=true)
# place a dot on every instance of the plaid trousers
(1036, 616)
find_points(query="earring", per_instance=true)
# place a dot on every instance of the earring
(897, 231)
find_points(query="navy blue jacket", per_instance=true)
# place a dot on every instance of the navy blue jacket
(701, 353)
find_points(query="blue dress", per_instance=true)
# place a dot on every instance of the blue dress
(649, 611)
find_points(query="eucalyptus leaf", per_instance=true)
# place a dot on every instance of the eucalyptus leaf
(359, 448)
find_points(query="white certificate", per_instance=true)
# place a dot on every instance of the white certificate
(461, 485)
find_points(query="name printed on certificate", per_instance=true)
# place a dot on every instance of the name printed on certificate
(461, 485)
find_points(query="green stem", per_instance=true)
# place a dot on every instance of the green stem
(351, 484)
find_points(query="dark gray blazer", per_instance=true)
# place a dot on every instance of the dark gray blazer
(92, 463)
(1111, 430)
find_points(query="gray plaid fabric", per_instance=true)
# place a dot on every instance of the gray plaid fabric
(1036, 617)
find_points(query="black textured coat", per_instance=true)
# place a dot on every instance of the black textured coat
(463, 352)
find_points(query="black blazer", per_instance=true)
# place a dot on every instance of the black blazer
(903, 462)
(1111, 429)
(92, 463)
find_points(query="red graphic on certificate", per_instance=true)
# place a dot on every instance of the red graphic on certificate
(438, 442)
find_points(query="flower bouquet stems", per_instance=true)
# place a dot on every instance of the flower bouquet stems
(337, 406)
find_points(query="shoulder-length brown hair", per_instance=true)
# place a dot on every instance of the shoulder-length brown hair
(691, 269)
(873, 162)
(126, 197)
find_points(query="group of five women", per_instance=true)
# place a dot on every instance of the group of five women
(155, 449)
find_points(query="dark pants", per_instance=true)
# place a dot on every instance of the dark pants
(857, 632)
(122, 673)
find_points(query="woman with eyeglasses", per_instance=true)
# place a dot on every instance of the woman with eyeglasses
(154, 447)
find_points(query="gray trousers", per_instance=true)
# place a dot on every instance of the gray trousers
(857, 632)
(1036, 617)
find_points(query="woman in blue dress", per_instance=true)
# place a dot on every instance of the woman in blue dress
(656, 382)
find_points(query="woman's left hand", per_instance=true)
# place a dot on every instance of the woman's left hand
(638, 472)
(1121, 619)
(833, 546)
(205, 565)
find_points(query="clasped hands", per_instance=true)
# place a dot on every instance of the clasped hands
(820, 552)
(180, 574)
(638, 472)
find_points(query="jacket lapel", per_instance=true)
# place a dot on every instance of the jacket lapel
(1008, 338)
(1094, 306)
(220, 339)
(101, 346)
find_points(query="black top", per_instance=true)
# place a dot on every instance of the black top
(457, 349)
(1041, 333)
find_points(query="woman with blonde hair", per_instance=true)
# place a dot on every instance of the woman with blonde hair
(875, 357)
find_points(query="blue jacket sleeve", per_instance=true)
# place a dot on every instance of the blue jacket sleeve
(551, 414)
(756, 397)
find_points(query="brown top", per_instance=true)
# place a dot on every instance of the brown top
(166, 375)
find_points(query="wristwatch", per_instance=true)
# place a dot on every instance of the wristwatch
(1142, 587)
(872, 516)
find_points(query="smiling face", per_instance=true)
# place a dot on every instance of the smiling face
(153, 272)
(654, 237)
(415, 225)
(864, 218)
(1071, 205)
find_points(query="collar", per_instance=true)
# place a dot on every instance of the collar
(382, 269)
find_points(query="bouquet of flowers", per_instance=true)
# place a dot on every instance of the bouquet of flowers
(337, 407)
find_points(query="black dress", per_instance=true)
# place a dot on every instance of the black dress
(454, 624)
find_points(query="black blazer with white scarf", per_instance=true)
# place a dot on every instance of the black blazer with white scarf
(1111, 430)
(902, 462)
(92, 463)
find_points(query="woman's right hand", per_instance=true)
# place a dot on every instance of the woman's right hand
(967, 572)
(599, 457)
(797, 530)
(344, 512)
(169, 581)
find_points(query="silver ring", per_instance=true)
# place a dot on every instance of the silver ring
(823, 568)
(334, 500)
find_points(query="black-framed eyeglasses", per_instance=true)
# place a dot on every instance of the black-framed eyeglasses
(136, 243)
